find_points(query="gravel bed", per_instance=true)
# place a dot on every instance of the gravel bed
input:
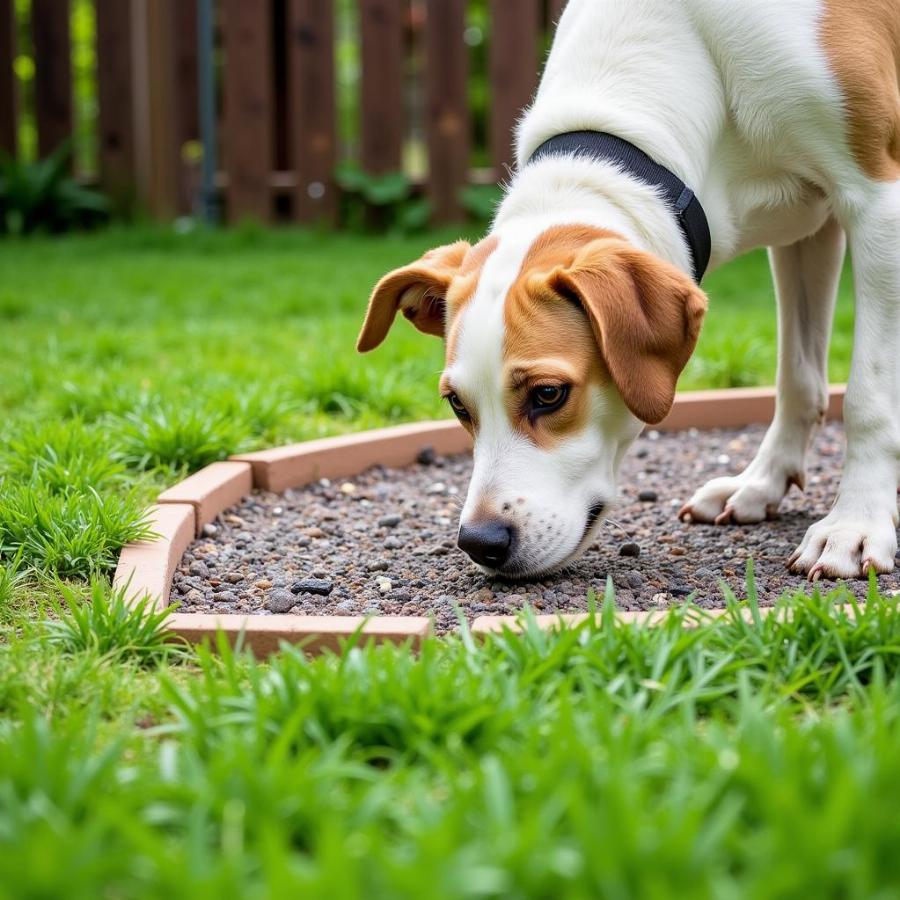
(383, 543)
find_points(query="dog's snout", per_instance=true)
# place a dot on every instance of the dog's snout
(488, 543)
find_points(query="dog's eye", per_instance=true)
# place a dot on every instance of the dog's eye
(457, 406)
(548, 397)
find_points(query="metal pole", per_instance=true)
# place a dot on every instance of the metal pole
(209, 198)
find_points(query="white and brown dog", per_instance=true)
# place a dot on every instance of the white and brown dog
(567, 327)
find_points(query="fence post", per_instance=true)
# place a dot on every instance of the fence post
(311, 108)
(52, 72)
(381, 94)
(8, 104)
(446, 112)
(187, 122)
(209, 196)
(114, 92)
(247, 116)
(156, 162)
(515, 28)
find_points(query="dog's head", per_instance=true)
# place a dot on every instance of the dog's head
(558, 349)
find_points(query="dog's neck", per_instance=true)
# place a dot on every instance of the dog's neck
(571, 190)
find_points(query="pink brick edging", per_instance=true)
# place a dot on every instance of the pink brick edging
(147, 567)
(212, 489)
(263, 634)
(734, 408)
(338, 457)
(498, 624)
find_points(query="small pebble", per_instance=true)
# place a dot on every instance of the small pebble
(426, 456)
(384, 584)
(210, 530)
(390, 521)
(634, 580)
(199, 568)
(648, 496)
(319, 586)
(348, 487)
(437, 487)
(280, 601)
(392, 543)
(630, 549)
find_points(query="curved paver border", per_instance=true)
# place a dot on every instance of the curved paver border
(146, 567)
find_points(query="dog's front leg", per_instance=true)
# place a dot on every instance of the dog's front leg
(860, 532)
(806, 277)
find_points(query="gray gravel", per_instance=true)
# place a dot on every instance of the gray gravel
(383, 543)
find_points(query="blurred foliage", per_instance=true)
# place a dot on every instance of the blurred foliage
(380, 202)
(480, 201)
(82, 26)
(43, 196)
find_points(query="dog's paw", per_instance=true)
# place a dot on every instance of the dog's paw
(846, 546)
(740, 499)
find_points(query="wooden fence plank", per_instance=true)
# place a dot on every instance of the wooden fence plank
(446, 105)
(513, 71)
(187, 112)
(311, 104)
(381, 95)
(115, 141)
(8, 99)
(154, 91)
(53, 72)
(247, 113)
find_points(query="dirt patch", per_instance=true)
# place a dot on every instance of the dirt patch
(383, 543)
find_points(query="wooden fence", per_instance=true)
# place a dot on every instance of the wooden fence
(280, 97)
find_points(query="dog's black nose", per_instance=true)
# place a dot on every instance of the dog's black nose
(488, 543)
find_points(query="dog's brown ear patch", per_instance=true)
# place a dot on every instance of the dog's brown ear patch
(645, 315)
(419, 290)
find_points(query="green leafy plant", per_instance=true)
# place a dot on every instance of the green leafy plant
(379, 202)
(480, 201)
(164, 438)
(108, 625)
(10, 577)
(71, 533)
(43, 196)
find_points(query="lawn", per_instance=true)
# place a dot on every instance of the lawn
(728, 760)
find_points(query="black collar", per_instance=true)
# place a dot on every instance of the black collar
(688, 211)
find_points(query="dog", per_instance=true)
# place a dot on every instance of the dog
(667, 137)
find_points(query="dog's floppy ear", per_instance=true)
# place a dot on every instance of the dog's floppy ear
(419, 290)
(646, 317)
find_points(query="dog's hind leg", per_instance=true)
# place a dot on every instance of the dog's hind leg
(806, 278)
(860, 532)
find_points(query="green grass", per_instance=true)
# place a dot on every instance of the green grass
(733, 759)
